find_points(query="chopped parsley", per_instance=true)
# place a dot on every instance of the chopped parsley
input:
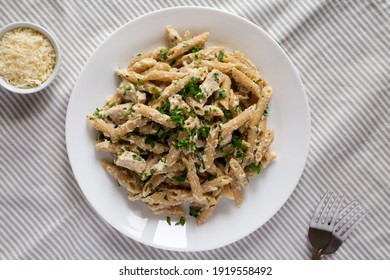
(194, 211)
(141, 81)
(200, 95)
(165, 105)
(172, 62)
(191, 112)
(102, 137)
(166, 197)
(191, 88)
(240, 154)
(255, 168)
(110, 104)
(181, 222)
(195, 49)
(155, 90)
(191, 132)
(177, 116)
(149, 140)
(97, 113)
(137, 157)
(221, 54)
(181, 144)
(216, 77)
(164, 54)
(127, 112)
(211, 177)
(161, 133)
(204, 131)
(227, 114)
(118, 154)
(266, 111)
(152, 171)
(179, 178)
(169, 220)
(237, 142)
(149, 185)
(221, 93)
(128, 87)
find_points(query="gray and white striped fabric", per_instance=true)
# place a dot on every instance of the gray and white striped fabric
(342, 50)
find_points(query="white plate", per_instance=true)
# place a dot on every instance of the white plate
(289, 115)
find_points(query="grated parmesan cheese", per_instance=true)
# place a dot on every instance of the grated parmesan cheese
(27, 57)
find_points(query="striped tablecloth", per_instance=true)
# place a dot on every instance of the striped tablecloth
(342, 51)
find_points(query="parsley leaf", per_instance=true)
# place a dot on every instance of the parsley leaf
(155, 90)
(172, 62)
(164, 54)
(194, 211)
(137, 157)
(237, 142)
(222, 93)
(196, 49)
(255, 168)
(216, 77)
(181, 144)
(221, 55)
(165, 105)
(181, 222)
(227, 114)
(149, 140)
(127, 112)
(102, 137)
(204, 131)
(266, 111)
(191, 88)
(149, 185)
(97, 113)
(141, 81)
(161, 133)
(128, 87)
(177, 116)
(179, 178)
(240, 154)
(169, 220)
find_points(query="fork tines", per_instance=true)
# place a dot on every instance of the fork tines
(330, 226)
(327, 211)
(350, 216)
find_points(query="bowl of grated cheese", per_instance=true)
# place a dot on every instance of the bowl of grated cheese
(30, 57)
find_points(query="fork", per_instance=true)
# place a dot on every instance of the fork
(323, 223)
(330, 227)
(348, 219)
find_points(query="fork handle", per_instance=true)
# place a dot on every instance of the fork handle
(317, 254)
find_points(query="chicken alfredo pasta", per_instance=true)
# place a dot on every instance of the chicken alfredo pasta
(186, 126)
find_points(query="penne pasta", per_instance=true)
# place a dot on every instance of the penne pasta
(187, 125)
(193, 179)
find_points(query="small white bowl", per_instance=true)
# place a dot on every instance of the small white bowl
(53, 40)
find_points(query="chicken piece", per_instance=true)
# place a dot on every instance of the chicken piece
(130, 92)
(131, 161)
(211, 83)
(119, 114)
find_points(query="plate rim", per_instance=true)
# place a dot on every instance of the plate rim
(295, 72)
